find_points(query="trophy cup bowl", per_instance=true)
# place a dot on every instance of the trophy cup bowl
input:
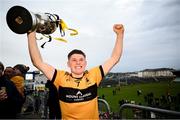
(21, 21)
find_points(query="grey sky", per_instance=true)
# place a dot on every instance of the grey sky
(152, 32)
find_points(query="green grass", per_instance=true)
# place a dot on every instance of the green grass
(130, 92)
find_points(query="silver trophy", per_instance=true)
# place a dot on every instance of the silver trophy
(21, 21)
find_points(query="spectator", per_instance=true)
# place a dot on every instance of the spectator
(10, 99)
(22, 69)
(114, 92)
(139, 92)
(9, 72)
(37, 103)
(53, 101)
(103, 96)
(19, 77)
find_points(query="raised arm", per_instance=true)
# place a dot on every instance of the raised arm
(36, 58)
(118, 48)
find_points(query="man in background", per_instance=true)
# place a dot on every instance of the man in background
(10, 99)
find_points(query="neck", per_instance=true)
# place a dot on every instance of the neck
(77, 76)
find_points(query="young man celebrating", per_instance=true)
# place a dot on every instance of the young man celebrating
(77, 90)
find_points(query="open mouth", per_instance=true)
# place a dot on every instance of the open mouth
(78, 67)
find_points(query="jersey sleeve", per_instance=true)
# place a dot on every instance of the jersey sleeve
(56, 80)
(97, 73)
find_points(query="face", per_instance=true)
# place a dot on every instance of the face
(77, 64)
(1, 72)
(17, 71)
(9, 72)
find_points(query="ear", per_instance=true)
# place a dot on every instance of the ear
(85, 63)
(68, 63)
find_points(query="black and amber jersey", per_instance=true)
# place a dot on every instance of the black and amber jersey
(78, 96)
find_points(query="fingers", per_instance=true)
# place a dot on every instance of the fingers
(3, 95)
(118, 28)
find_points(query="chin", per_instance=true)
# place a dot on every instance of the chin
(79, 72)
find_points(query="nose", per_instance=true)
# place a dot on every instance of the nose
(78, 62)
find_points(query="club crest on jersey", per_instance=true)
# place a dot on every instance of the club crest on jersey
(79, 93)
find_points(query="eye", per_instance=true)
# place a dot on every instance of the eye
(81, 59)
(74, 60)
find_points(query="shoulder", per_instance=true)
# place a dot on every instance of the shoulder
(6, 81)
(59, 74)
(97, 69)
(62, 72)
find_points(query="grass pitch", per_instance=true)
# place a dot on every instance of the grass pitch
(129, 92)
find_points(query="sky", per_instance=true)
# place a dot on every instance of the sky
(151, 39)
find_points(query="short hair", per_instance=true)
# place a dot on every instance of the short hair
(1, 66)
(76, 51)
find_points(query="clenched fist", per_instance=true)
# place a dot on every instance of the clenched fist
(118, 29)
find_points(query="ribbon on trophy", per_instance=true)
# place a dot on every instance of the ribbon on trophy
(62, 27)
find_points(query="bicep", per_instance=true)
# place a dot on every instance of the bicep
(108, 65)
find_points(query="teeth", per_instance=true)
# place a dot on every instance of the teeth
(78, 67)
